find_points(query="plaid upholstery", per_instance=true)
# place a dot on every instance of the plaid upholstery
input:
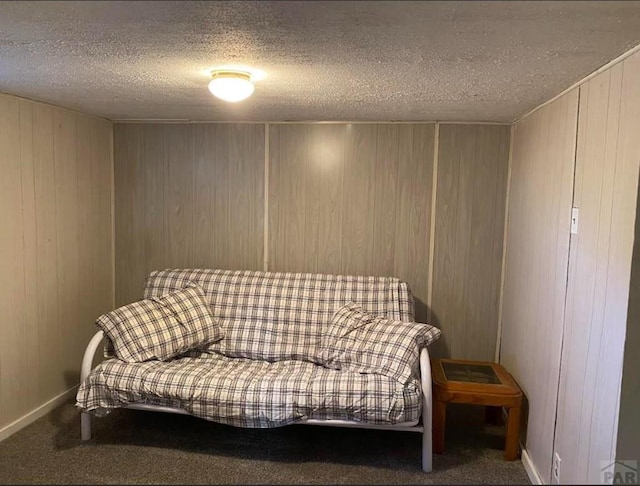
(362, 343)
(279, 316)
(161, 327)
(265, 372)
(250, 393)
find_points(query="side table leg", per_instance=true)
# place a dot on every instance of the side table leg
(513, 434)
(439, 417)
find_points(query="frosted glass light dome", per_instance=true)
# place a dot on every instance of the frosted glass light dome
(231, 86)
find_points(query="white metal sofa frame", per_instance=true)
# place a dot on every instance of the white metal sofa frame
(425, 428)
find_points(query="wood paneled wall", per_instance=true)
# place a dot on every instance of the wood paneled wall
(342, 198)
(186, 196)
(469, 223)
(352, 199)
(566, 297)
(606, 187)
(537, 254)
(628, 437)
(56, 265)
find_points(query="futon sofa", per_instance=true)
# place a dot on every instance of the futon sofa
(265, 349)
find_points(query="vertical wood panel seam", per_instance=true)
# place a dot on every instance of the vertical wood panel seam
(345, 161)
(24, 239)
(620, 373)
(596, 268)
(164, 203)
(191, 151)
(265, 254)
(35, 244)
(497, 204)
(38, 285)
(167, 203)
(113, 215)
(368, 258)
(23, 312)
(607, 268)
(305, 165)
(566, 286)
(397, 198)
(55, 225)
(477, 141)
(227, 222)
(562, 128)
(194, 174)
(504, 246)
(192, 256)
(432, 221)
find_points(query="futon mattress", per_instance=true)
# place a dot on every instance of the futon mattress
(251, 393)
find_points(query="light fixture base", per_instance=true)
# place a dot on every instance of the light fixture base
(230, 85)
(228, 73)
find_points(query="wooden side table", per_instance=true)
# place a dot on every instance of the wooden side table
(479, 383)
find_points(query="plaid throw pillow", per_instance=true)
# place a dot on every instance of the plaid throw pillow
(359, 342)
(162, 327)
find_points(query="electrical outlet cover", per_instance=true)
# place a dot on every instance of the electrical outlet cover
(555, 471)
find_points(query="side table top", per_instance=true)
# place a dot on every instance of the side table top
(482, 377)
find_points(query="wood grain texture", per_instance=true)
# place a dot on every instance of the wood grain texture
(385, 193)
(607, 166)
(178, 196)
(413, 211)
(542, 168)
(55, 279)
(245, 228)
(186, 196)
(30, 228)
(95, 170)
(88, 225)
(358, 211)
(470, 202)
(102, 177)
(628, 437)
(290, 145)
(46, 247)
(204, 138)
(221, 212)
(130, 262)
(153, 174)
(352, 199)
(67, 215)
(343, 198)
(305, 194)
(12, 299)
(325, 194)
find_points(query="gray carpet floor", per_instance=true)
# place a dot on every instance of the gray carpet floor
(132, 447)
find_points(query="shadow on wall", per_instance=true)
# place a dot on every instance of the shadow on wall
(439, 349)
(524, 420)
(72, 377)
(421, 310)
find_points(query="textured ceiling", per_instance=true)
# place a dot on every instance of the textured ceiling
(480, 61)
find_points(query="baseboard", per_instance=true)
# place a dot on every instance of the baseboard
(35, 414)
(532, 471)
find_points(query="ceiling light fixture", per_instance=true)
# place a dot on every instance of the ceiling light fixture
(229, 85)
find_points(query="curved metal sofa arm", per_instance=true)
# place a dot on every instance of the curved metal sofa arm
(427, 404)
(85, 369)
(89, 353)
